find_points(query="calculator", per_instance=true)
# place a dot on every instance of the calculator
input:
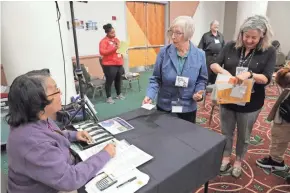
(105, 183)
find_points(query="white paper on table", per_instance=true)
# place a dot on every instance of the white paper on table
(125, 161)
(238, 91)
(120, 147)
(148, 106)
(131, 187)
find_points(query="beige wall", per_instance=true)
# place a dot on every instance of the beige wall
(177, 8)
(206, 12)
(279, 16)
(230, 19)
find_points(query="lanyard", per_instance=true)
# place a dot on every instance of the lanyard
(242, 62)
(180, 67)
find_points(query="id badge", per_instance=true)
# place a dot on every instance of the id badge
(176, 107)
(119, 55)
(181, 81)
(216, 41)
(240, 70)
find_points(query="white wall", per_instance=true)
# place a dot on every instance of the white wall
(279, 15)
(101, 12)
(247, 9)
(206, 12)
(31, 41)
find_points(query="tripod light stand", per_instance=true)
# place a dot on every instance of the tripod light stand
(79, 74)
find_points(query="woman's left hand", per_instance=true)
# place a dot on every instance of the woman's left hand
(84, 136)
(243, 76)
(198, 96)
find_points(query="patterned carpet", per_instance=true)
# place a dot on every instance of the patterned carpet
(253, 179)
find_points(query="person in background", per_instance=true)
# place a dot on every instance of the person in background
(39, 158)
(212, 43)
(180, 73)
(280, 58)
(112, 62)
(250, 56)
(280, 130)
(288, 56)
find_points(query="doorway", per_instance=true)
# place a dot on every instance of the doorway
(146, 32)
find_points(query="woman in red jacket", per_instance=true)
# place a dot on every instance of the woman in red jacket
(112, 62)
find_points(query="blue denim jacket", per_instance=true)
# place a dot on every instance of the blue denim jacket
(162, 81)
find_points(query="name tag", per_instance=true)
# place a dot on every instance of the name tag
(216, 41)
(181, 81)
(240, 70)
(119, 55)
(176, 107)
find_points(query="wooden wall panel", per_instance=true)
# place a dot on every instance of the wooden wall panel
(136, 23)
(137, 57)
(156, 23)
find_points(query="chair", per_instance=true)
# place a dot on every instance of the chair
(92, 83)
(131, 78)
(288, 56)
(280, 61)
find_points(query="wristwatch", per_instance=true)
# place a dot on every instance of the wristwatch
(251, 76)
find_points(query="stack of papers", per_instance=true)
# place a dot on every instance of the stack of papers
(131, 187)
(229, 93)
(125, 161)
(127, 157)
(120, 147)
(121, 168)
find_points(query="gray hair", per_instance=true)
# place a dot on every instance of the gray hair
(186, 23)
(214, 21)
(260, 23)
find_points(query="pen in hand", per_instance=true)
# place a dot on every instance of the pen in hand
(130, 180)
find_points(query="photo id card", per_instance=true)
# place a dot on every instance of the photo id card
(181, 81)
(240, 70)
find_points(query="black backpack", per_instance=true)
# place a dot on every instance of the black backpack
(284, 109)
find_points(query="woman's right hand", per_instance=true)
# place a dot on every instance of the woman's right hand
(111, 149)
(147, 100)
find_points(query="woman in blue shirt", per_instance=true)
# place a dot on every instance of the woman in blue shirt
(180, 73)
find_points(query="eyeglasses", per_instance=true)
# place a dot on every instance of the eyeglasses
(176, 34)
(57, 92)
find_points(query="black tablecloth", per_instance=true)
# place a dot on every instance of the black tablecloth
(185, 155)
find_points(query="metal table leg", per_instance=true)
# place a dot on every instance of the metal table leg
(206, 187)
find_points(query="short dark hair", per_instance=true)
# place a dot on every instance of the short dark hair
(276, 44)
(108, 27)
(27, 97)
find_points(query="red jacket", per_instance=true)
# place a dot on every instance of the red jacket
(108, 50)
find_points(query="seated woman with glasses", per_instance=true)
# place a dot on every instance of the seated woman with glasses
(180, 73)
(39, 158)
